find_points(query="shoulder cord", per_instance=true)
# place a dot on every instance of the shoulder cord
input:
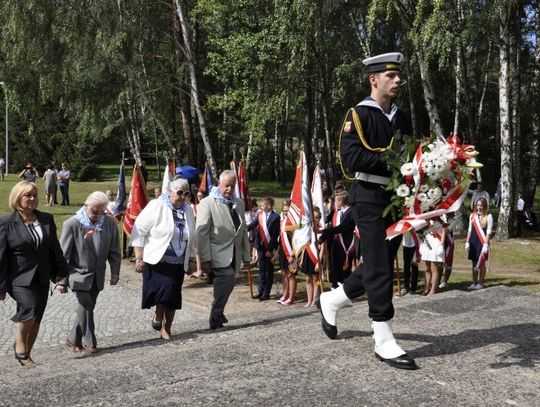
(358, 126)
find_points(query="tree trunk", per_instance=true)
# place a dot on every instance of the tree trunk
(532, 177)
(429, 95)
(194, 87)
(505, 214)
(183, 100)
(412, 103)
(515, 103)
(483, 94)
(457, 105)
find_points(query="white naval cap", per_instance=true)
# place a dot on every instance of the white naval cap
(384, 62)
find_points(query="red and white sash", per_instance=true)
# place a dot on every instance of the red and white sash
(284, 238)
(263, 229)
(484, 257)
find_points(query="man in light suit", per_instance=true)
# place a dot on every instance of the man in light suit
(222, 241)
(89, 239)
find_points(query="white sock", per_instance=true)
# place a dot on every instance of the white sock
(331, 302)
(385, 343)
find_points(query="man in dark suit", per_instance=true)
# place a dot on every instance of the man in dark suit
(266, 242)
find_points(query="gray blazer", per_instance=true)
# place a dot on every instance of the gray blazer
(216, 235)
(84, 264)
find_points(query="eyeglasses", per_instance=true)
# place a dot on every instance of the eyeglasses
(180, 192)
(96, 212)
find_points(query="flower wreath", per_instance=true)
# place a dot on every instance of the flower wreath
(430, 180)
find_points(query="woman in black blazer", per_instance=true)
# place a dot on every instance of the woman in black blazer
(30, 256)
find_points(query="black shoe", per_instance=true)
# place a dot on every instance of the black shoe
(223, 319)
(329, 330)
(156, 325)
(258, 296)
(264, 297)
(401, 362)
(215, 324)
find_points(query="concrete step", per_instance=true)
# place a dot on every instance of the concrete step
(473, 348)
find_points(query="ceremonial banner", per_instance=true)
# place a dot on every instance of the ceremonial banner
(207, 180)
(241, 189)
(318, 201)
(166, 179)
(138, 198)
(299, 217)
(120, 205)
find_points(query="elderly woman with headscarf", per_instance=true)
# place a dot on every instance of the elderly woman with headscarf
(164, 245)
(30, 256)
(89, 239)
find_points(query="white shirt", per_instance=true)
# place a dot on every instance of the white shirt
(520, 204)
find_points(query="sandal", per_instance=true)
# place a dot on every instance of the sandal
(72, 346)
(156, 325)
(20, 356)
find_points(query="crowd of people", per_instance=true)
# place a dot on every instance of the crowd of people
(181, 232)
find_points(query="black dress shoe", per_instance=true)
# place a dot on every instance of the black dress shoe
(258, 296)
(329, 330)
(264, 298)
(401, 362)
(215, 324)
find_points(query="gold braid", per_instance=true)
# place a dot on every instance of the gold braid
(360, 132)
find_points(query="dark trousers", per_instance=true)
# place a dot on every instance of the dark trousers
(64, 189)
(224, 279)
(520, 220)
(266, 274)
(410, 271)
(375, 275)
(337, 272)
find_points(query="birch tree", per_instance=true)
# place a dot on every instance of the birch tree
(194, 85)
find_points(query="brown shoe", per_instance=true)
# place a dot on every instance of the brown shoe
(72, 346)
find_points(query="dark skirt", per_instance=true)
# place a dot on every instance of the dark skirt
(475, 247)
(308, 267)
(31, 301)
(283, 262)
(162, 285)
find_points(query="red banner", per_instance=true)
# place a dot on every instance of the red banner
(138, 199)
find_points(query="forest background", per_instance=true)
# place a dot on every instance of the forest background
(215, 80)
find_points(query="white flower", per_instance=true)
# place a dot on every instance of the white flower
(422, 197)
(407, 169)
(409, 201)
(423, 188)
(435, 194)
(425, 206)
(403, 191)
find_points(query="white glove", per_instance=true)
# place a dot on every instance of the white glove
(467, 246)
(485, 248)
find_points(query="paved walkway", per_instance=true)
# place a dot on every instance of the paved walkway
(474, 349)
(118, 310)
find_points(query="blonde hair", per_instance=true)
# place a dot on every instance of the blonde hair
(484, 214)
(21, 188)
